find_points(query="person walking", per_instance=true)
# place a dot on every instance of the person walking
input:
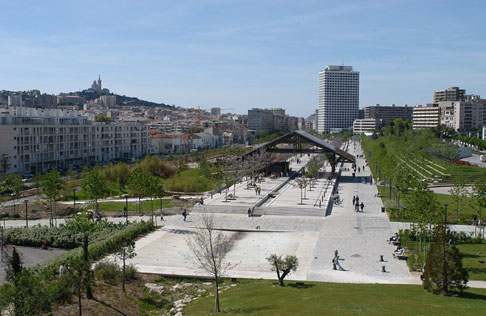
(362, 206)
(249, 212)
(184, 214)
(336, 263)
(354, 199)
(371, 179)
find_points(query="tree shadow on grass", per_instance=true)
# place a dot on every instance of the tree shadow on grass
(470, 256)
(300, 285)
(470, 295)
(246, 310)
(109, 306)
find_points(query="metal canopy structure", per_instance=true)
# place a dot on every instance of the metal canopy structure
(301, 142)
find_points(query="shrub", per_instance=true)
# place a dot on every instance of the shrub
(131, 272)
(107, 271)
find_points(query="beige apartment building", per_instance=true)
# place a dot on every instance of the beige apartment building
(37, 140)
(426, 117)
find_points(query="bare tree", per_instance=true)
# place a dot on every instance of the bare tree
(209, 247)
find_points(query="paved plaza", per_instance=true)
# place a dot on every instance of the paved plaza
(360, 237)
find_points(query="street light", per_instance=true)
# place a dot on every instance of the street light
(444, 267)
(74, 194)
(126, 208)
(26, 214)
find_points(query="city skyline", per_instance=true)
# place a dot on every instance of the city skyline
(237, 55)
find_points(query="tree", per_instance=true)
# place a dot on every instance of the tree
(152, 186)
(81, 273)
(125, 251)
(5, 163)
(209, 247)
(37, 181)
(24, 294)
(94, 184)
(479, 194)
(443, 268)
(137, 184)
(283, 266)
(84, 224)
(458, 192)
(301, 183)
(13, 183)
(51, 185)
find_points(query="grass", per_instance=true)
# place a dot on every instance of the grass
(263, 297)
(466, 210)
(473, 253)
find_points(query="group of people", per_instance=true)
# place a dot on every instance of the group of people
(356, 204)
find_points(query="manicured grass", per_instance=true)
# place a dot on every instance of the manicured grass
(466, 208)
(473, 253)
(264, 297)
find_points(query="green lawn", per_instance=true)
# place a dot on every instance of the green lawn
(264, 297)
(473, 253)
(466, 210)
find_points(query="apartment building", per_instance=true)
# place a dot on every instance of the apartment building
(388, 114)
(37, 140)
(338, 98)
(466, 115)
(450, 94)
(367, 126)
(426, 117)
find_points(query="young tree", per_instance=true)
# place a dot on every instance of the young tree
(283, 266)
(81, 273)
(84, 224)
(152, 189)
(209, 247)
(51, 185)
(5, 163)
(443, 268)
(458, 192)
(479, 194)
(301, 183)
(94, 184)
(13, 182)
(37, 181)
(125, 251)
(137, 184)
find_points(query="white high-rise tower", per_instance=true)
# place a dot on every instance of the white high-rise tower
(338, 98)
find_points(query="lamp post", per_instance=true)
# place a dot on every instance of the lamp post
(74, 195)
(445, 284)
(126, 208)
(26, 214)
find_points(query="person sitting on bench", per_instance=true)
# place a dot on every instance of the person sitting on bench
(394, 239)
(398, 252)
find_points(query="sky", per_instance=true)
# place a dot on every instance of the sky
(243, 54)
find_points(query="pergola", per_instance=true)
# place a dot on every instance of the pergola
(300, 141)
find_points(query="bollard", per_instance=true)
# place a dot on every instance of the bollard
(319, 204)
(383, 269)
(383, 209)
(381, 258)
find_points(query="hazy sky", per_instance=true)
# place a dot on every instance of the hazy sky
(243, 54)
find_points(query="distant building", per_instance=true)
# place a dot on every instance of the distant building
(451, 94)
(338, 98)
(216, 111)
(15, 100)
(260, 120)
(426, 117)
(37, 140)
(367, 126)
(108, 101)
(388, 114)
(466, 115)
